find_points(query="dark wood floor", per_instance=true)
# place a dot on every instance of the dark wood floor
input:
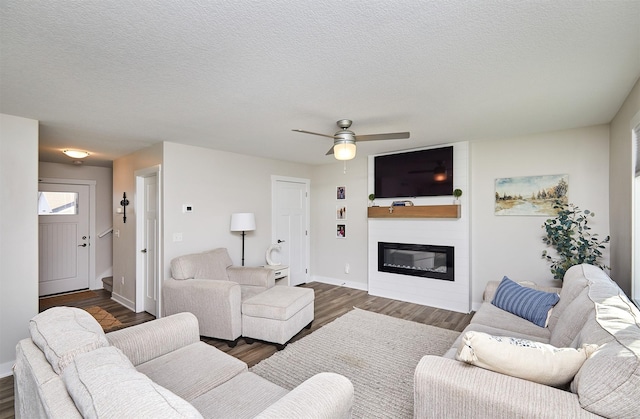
(331, 302)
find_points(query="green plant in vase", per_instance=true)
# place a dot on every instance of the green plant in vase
(569, 234)
(372, 199)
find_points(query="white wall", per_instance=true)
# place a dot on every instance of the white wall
(329, 255)
(621, 190)
(103, 176)
(512, 245)
(217, 184)
(124, 237)
(500, 245)
(18, 233)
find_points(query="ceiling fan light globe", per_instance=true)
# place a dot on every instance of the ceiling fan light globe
(344, 151)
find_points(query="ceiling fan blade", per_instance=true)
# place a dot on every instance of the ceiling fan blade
(330, 152)
(389, 136)
(314, 133)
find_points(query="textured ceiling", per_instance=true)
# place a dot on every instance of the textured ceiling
(115, 76)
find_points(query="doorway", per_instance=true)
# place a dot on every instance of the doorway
(65, 228)
(290, 225)
(148, 261)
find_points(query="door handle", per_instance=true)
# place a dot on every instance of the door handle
(280, 241)
(82, 245)
(143, 251)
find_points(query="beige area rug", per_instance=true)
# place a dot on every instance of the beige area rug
(377, 353)
(106, 319)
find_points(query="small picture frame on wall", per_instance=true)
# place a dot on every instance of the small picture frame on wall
(341, 192)
(341, 212)
(341, 231)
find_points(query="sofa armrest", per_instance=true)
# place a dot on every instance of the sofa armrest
(215, 303)
(254, 276)
(448, 388)
(325, 395)
(146, 341)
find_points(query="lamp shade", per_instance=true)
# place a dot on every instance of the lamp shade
(243, 221)
(344, 150)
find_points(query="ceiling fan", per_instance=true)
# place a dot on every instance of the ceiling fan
(344, 141)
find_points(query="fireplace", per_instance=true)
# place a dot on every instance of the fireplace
(423, 260)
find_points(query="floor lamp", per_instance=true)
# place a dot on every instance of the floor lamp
(243, 221)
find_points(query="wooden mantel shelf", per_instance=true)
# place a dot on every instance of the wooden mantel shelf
(416, 211)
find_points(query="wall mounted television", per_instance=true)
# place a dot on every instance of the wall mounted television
(414, 173)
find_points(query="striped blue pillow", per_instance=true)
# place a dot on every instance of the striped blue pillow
(524, 302)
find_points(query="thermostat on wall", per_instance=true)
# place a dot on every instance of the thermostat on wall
(187, 208)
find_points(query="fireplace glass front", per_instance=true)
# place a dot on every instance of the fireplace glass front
(416, 259)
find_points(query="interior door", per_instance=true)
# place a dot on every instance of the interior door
(290, 208)
(150, 244)
(63, 235)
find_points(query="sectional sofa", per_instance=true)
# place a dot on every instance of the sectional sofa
(592, 311)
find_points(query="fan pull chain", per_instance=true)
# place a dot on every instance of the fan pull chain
(345, 167)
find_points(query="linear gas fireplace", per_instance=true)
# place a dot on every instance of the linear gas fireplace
(416, 259)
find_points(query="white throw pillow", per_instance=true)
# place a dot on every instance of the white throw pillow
(526, 359)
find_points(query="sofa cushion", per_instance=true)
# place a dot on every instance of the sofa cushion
(530, 360)
(212, 264)
(244, 396)
(525, 302)
(608, 384)
(192, 370)
(64, 332)
(104, 383)
(573, 283)
(509, 323)
(572, 319)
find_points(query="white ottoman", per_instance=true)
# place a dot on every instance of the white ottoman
(277, 314)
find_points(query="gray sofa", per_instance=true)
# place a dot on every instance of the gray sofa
(592, 310)
(70, 369)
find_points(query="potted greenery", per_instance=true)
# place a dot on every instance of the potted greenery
(569, 233)
(457, 193)
(372, 199)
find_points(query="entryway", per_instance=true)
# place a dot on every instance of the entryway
(64, 234)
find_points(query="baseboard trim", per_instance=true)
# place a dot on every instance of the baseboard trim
(6, 369)
(333, 281)
(124, 301)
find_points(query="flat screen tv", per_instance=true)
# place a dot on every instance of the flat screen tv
(415, 173)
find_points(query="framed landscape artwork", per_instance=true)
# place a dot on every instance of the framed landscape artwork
(530, 195)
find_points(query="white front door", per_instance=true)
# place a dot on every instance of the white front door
(291, 231)
(150, 244)
(63, 234)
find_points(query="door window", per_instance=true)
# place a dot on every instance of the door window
(57, 203)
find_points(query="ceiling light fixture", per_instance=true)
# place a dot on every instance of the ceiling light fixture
(344, 149)
(76, 154)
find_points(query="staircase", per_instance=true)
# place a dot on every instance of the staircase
(107, 283)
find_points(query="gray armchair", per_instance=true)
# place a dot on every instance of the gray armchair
(207, 285)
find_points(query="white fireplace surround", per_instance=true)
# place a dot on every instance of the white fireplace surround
(451, 295)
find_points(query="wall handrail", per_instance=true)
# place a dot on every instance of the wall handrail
(104, 233)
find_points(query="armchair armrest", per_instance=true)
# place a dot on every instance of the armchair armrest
(254, 276)
(448, 388)
(325, 395)
(146, 341)
(215, 303)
